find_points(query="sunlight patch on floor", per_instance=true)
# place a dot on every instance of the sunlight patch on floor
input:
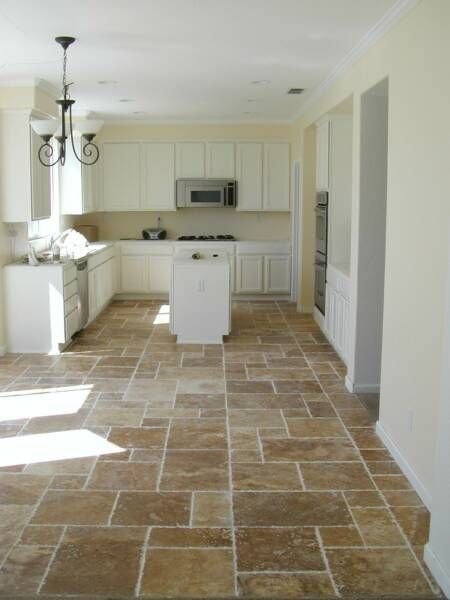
(42, 402)
(59, 445)
(163, 316)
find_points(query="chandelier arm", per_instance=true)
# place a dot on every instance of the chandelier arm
(85, 149)
(48, 151)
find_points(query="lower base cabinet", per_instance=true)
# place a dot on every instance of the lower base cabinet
(144, 273)
(337, 310)
(263, 274)
(101, 287)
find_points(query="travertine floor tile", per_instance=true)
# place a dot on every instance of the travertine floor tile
(302, 585)
(246, 470)
(205, 572)
(273, 549)
(90, 560)
(377, 572)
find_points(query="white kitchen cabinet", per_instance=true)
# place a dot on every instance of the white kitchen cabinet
(277, 274)
(121, 176)
(276, 176)
(200, 297)
(190, 159)
(337, 310)
(101, 280)
(25, 187)
(249, 274)
(41, 306)
(322, 154)
(159, 274)
(134, 274)
(145, 267)
(220, 160)
(77, 183)
(249, 172)
(158, 176)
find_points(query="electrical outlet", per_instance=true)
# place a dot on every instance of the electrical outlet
(410, 419)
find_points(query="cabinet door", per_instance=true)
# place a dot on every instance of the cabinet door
(40, 182)
(322, 150)
(93, 299)
(190, 159)
(277, 274)
(158, 176)
(249, 170)
(330, 313)
(121, 176)
(159, 273)
(220, 160)
(276, 176)
(134, 274)
(88, 187)
(249, 276)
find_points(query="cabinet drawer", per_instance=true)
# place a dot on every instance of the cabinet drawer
(100, 257)
(71, 304)
(71, 323)
(70, 289)
(69, 273)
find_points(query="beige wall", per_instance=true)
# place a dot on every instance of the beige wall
(414, 56)
(249, 226)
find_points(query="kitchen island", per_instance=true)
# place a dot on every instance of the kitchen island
(200, 296)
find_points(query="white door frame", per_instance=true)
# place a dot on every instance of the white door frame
(437, 551)
(296, 226)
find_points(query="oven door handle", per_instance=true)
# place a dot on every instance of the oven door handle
(320, 264)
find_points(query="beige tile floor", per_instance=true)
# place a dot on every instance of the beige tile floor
(207, 471)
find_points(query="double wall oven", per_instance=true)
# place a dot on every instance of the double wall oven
(320, 262)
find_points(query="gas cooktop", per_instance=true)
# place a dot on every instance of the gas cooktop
(206, 238)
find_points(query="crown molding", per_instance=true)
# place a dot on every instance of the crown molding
(188, 123)
(31, 82)
(387, 22)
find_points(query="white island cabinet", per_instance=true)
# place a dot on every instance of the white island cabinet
(200, 297)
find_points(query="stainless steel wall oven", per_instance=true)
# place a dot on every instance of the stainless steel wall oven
(320, 262)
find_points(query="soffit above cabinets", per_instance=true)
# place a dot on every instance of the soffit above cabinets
(185, 60)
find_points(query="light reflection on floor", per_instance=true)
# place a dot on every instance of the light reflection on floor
(59, 445)
(42, 402)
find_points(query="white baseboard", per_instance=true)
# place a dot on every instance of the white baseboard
(406, 468)
(306, 309)
(437, 569)
(3, 350)
(361, 388)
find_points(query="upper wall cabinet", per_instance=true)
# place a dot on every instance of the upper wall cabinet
(25, 184)
(190, 159)
(158, 176)
(220, 160)
(276, 176)
(121, 176)
(322, 150)
(263, 176)
(77, 184)
(249, 173)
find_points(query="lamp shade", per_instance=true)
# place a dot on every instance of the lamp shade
(45, 126)
(88, 126)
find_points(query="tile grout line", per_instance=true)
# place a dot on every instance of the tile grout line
(51, 561)
(142, 560)
(230, 487)
(325, 560)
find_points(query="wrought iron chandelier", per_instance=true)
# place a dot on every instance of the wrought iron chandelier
(49, 128)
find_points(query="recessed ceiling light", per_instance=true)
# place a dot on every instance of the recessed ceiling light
(296, 91)
(126, 100)
(106, 82)
(260, 82)
(139, 112)
(251, 99)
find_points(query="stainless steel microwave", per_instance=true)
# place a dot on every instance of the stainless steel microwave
(206, 193)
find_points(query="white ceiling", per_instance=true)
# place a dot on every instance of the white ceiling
(184, 60)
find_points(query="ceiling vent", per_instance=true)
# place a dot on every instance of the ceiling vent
(296, 91)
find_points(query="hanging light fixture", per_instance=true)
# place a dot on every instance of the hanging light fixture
(49, 128)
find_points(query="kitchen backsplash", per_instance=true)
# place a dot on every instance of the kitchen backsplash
(244, 226)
